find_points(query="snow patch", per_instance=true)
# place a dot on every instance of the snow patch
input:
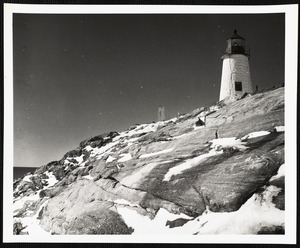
(101, 151)
(280, 173)
(255, 135)
(26, 178)
(144, 128)
(110, 159)
(33, 224)
(216, 148)
(156, 153)
(180, 136)
(125, 157)
(68, 162)
(189, 164)
(279, 129)
(172, 120)
(89, 177)
(228, 142)
(144, 225)
(51, 179)
(88, 148)
(259, 207)
(137, 175)
(79, 159)
(133, 139)
(19, 203)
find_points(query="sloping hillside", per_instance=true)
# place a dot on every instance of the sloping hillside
(167, 177)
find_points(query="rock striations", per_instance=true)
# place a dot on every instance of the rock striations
(172, 176)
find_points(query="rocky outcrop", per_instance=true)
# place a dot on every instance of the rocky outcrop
(18, 229)
(99, 140)
(271, 230)
(279, 200)
(173, 165)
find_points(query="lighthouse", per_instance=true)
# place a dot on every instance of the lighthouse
(236, 78)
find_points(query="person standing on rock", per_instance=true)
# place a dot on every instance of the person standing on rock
(217, 134)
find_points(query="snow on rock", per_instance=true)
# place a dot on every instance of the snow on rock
(129, 142)
(259, 208)
(79, 159)
(68, 162)
(279, 129)
(101, 151)
(255, 135)
(110, 159)
(156, 153)
(228, 142)
(152, 127)
(51, 179)
(135, 178)
(89, 177)
(88, 148)
(27, 178)
(133, 140)
(189, 164)
(172, 120)
(125, 157)
(144, 128)
(280, 173)
(144, 225)
(141, 224)
(216, 145)
(33, 224)
(19, 203)
(180, 136)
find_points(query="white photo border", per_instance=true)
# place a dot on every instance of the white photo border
(291, 58)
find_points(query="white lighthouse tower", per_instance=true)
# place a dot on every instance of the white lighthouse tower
(236, 79)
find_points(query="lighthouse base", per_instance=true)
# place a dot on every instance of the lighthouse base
(233, 98)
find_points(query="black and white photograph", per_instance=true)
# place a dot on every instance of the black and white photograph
(150, 124)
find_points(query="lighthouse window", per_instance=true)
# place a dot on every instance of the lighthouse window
(238, 86)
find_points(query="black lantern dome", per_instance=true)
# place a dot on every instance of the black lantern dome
(236, 45)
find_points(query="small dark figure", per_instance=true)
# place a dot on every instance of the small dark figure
(200, 122)
(217, 134)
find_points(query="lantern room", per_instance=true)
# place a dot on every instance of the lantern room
(236, 45)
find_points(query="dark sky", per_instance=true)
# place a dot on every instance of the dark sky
(76, 76)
